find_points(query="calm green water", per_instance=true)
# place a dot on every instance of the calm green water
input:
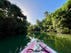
(12, 44)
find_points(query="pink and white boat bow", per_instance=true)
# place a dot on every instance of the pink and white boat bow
(36, 46)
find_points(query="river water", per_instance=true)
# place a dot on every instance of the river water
(12, 44)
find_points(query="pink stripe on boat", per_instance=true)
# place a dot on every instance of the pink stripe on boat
(37, 47)
(30, 46)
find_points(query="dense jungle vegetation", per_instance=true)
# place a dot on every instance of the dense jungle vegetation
(58, 21)
(54, 29)
(13, 27)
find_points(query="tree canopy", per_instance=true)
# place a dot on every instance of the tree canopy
(12, 20)
(58, 21)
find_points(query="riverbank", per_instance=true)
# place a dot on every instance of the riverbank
(59, 42)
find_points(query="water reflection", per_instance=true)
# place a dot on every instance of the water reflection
(13, 44)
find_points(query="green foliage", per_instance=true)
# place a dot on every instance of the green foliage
(12, 21)
(13, 28)
(33, 30)
(59, 20)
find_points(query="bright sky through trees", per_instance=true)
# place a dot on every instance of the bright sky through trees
(34, 9)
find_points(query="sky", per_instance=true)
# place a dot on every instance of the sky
(35, 9)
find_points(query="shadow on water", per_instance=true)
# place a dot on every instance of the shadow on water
(13, 44)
